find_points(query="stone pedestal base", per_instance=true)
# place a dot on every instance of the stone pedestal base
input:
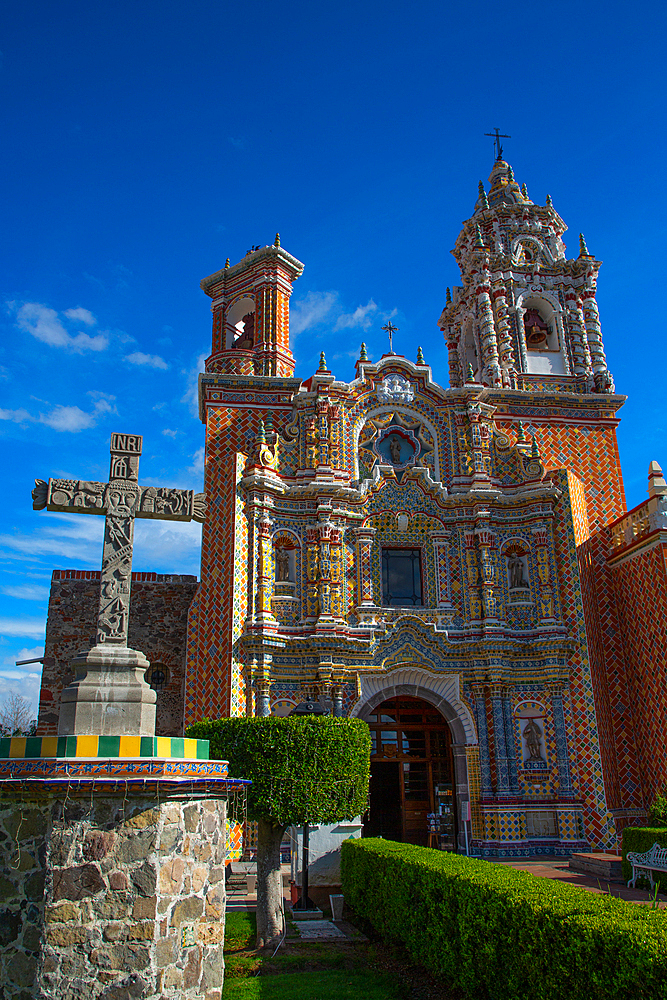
(110, 894)
(110, 695)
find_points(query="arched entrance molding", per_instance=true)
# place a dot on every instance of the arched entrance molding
(443, 692)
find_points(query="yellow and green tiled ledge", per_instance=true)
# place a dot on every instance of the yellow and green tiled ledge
(117, 758)
(103, 746)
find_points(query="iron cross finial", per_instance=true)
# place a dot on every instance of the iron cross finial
(496, 135)
(391, 330)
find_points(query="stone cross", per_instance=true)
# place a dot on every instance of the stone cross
(109, 695)
(121, 500)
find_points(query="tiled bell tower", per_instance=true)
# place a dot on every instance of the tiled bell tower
(523, 331)
(524, 310)
(251, 313)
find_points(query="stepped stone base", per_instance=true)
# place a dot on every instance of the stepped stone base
(111, 894)
(110, 695)
(599, 865)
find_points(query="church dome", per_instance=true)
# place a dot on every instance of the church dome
(503, 186)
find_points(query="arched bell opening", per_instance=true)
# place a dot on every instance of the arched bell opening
(413, 788)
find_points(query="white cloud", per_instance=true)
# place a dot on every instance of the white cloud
(31, 628)
(362, 316)
(311, 310)
(66, 418)
(197, 467)
(167, 546)
(152, 360)
(27, 592)
(65, 536)
(44, 324)
(81, 315)
(169, 433)
(191, 394)
(19, 416)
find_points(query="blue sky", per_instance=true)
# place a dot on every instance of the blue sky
(147, 142)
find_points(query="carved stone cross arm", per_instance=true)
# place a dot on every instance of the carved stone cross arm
(82, 497)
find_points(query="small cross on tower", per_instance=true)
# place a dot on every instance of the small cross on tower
(390, 329)
(496, 135)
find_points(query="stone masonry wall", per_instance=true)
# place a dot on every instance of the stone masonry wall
(111, 896)
(158, 624)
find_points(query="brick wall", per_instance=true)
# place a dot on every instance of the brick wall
(158, 623)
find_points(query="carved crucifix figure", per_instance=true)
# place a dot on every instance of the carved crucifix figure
(121, 500)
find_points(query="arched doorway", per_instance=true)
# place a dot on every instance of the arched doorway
(411, 773)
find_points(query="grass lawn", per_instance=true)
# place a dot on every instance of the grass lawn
(316, 970)
(300, 970)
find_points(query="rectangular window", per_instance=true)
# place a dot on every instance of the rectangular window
(401, 577)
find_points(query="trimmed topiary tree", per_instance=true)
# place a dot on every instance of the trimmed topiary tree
(304, 769)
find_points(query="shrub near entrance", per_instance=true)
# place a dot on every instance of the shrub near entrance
(495, 932)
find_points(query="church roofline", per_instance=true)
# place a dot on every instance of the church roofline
(263, 254)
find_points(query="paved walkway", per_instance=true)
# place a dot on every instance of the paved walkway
(558, 869)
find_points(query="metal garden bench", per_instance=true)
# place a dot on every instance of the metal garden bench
(654, 860)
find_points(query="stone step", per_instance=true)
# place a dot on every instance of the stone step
(599, 865)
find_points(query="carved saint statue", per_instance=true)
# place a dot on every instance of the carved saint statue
(532, 734)
(515, 567)
(395, 450)
(282, 566)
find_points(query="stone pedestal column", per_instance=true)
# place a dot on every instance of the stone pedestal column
(109, 696)
(364, 538)
(510, 742)
(111, 890)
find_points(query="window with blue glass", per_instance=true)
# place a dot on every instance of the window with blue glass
(401, 577)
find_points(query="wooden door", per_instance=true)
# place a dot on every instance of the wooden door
(412, 743)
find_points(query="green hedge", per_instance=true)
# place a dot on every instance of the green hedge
(494, 932)
(641, 839)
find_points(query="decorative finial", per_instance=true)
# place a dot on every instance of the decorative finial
(420, 356)
(471, 374)
(583, 249)
(390, 329)
(482, 195)
(227, 263)
(534, 450)
(549, 202)
(276, 242)
(261, 435)
(520, 433)
(510, 175)
(479, 243)
(362, 353)
(323, 363)
(449, 298)
(269, 423)
(524, 191)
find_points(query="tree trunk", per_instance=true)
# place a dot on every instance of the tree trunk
(269, 884)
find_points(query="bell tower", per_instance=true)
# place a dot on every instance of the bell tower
(525, 317)
(251, 313)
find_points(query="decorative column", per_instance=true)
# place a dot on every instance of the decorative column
(487, 332)
(264, 614)
(262, 696)
(472, 575)
(603, 379)
(502, 765)
(546, 598)
(564, 777)
(505, 348)
(510, 741)
(364, 538)
(441, 558)
(312, 574)
(581, 355)
(487, 567)
(483, 738)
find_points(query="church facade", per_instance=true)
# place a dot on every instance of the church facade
(435, 560)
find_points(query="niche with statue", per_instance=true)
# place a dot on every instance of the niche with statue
(516, 559)
(284, 562)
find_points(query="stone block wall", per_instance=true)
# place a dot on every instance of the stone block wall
(111, 896)
(158, 624)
